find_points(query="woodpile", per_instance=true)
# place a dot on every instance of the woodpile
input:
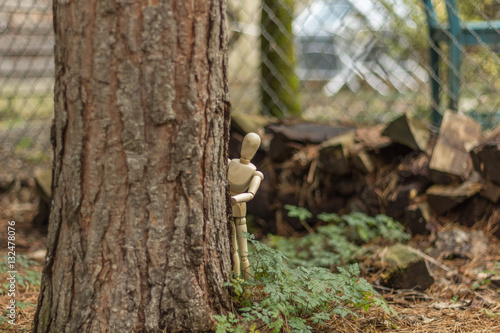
(422, 178)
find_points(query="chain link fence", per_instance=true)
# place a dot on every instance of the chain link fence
(361, 60)
(353, 61)
(26, 86)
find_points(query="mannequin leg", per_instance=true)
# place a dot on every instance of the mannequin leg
(241, 227)
(234, 250)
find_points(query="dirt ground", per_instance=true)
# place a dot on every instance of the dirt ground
(464, 298)
(20, 205)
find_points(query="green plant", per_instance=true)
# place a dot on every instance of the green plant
(25, 276)
(366, 228)
(495, 271)
(226, 323)
(338, 242)
(24, 305)
(294, 298)
(358, 226)
(302, 214)
(4, 319)
(327, 247)
(292, 289)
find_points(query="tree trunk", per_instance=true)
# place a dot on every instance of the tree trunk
(138, 227)
(279, 84)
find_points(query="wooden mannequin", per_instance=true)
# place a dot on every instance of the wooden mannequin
(244, 181)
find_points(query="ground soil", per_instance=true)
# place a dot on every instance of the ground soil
(20, 205)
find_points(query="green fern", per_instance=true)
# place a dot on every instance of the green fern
(327, 247)
(298, 212)
(293, 298)
(338, 242)
(292, 288)
(25, 276)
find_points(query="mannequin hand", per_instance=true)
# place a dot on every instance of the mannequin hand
(233, 201)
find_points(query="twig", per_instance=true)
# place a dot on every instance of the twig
(432, 260)
(312, 171)
(307, 226)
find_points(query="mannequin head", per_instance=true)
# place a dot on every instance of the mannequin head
(249, 147)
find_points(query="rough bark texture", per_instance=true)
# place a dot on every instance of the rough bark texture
(138, 236)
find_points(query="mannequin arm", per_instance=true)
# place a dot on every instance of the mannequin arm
(242, 197)
(258, 177)
(252, 189)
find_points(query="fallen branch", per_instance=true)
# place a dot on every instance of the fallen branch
(432, 260)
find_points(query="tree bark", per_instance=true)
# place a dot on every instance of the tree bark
(138, 227)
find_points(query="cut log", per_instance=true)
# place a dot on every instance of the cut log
(281, 149)
(417, 219)
(474, 210)
(362, 161)
(408, 132)
(490, 191)
(406, 269)
(415, 167)
(334, 154)
(443, 198)
(450, 159)
(287, 140)
(372, 138)
(310, 133)
(486, 157)
(398, 201)
(43, 181)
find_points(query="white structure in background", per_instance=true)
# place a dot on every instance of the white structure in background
(342, 42)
